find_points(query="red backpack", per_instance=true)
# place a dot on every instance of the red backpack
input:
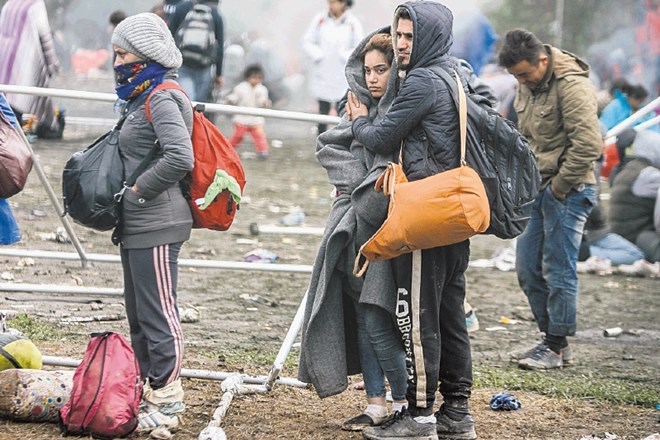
(212, 153)
(106, 392)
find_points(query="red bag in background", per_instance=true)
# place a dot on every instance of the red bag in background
(107, 390)
(610, 159)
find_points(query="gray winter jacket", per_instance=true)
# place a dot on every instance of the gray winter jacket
(423, 114)
(158, 213)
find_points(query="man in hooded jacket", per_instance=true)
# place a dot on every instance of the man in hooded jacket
(423, 122)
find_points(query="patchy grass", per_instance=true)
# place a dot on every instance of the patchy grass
(252, 357)
(569, 387)
(35, 329)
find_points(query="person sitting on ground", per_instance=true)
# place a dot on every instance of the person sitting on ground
(599, 241)
(627, 99)
(634, 196)
(251, 92)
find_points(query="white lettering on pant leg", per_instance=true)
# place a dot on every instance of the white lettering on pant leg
(403, 323)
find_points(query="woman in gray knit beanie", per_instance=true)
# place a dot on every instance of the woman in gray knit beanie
(144, 51)
(156, 219)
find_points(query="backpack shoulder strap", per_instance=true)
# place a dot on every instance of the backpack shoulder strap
(167, 85)
(100, 391)
(12, 360)
(451, 83)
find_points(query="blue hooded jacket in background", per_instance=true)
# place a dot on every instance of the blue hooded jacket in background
(619, 110)
(9, 232)
(474, 39)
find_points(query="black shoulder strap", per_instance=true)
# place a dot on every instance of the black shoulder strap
(143, 165)
(451, 83)
(10, 358)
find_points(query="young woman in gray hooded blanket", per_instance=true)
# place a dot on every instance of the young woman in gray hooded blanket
(349, 321)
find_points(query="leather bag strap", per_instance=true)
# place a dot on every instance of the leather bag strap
(462, 115)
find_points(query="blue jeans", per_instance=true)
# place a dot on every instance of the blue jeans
(546, 257)
(196, 82)
(9, 232)
(381, 352)
(616, 249)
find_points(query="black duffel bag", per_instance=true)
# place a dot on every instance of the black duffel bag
(93, 182)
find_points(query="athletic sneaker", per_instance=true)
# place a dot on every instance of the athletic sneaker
(517, 355)
(153, 416)
(544, 359)
(449, 428)
(596, 265)
(359, 422)
(471, 321)
(641, 268)
(403, 426)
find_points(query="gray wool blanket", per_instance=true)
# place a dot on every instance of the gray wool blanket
(328, 352)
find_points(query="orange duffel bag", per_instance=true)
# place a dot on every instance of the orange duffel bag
(439, 210)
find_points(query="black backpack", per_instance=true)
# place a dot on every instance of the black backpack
(503, 159)
(93, 182)
(195, 38)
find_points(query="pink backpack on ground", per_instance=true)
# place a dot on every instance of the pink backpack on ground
(106, 392)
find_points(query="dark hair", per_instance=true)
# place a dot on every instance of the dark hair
(631, 91)
(403, 13)
(620, 84)
(520, 45)
(253, 69)
(381, 43)
(349, 3)
(637, 92)
(117, 17)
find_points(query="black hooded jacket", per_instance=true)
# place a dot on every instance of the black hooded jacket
(423, 115)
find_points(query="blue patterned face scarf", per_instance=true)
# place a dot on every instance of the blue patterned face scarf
(135, 78)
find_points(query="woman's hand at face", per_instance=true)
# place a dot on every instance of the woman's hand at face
(355, 108)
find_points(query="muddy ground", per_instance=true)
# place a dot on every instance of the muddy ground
(246, 314)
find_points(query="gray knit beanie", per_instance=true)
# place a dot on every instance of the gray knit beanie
(147, 36)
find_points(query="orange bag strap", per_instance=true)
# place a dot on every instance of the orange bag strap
(360, 265)
(462, 116)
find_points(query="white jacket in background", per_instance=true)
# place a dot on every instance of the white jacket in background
(329, 42)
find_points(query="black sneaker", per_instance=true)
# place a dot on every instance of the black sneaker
(402, 426)
(359, 422)
(449, 428)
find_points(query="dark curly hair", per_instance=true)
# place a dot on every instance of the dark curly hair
(520, 45)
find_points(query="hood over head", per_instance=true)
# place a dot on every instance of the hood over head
(432, 31)
(358, 84)
(647, 146)
(565, 63)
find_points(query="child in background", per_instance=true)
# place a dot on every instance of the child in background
(250, 93)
